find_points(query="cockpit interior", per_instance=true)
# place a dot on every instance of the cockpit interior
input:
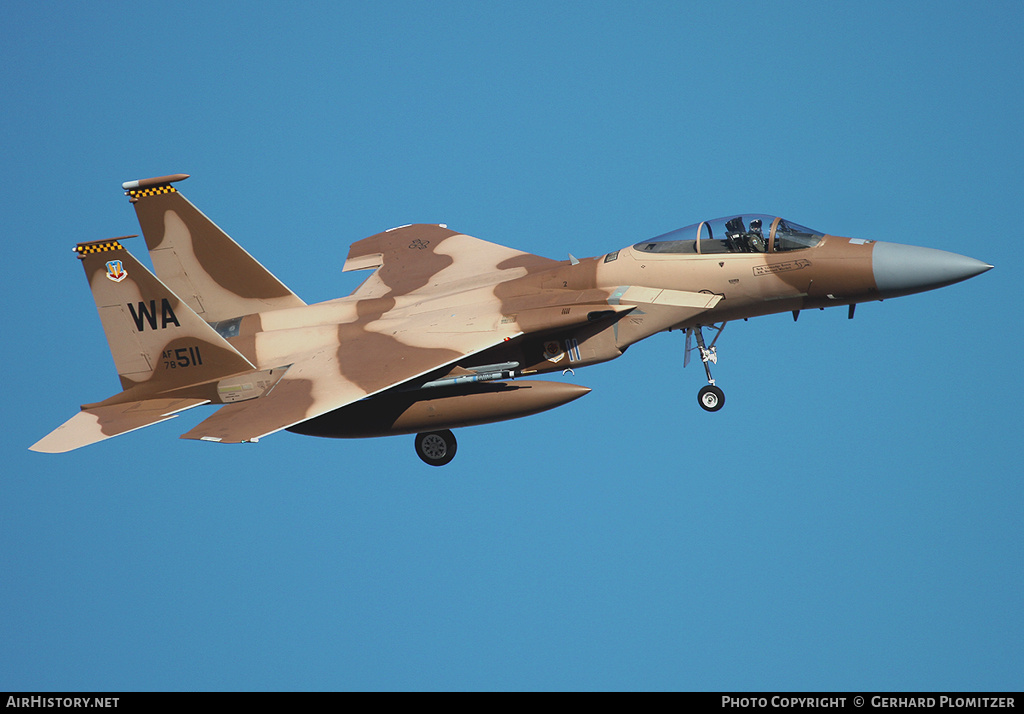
(748, 233)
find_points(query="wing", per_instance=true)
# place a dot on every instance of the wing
(330, 379)
(430, 303)
(424, 259)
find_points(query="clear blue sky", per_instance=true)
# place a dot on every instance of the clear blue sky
(850, 520)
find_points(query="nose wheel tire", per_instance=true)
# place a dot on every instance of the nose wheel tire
(436, 448)
(711, 398)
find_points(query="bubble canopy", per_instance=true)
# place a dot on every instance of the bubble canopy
(746, 233)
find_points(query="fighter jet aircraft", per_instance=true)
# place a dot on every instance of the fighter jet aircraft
(440, 333)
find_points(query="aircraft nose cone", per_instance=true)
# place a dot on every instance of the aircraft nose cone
(904, 269)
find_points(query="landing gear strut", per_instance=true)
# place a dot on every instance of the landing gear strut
(710, 397)
(436, 448)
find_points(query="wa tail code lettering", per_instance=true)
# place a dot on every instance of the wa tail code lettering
(146, 314)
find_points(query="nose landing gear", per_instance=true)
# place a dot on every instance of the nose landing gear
(710, 397)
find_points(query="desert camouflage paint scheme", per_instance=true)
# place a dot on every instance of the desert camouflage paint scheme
(433, 338)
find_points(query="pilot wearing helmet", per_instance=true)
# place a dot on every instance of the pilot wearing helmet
(755, 238)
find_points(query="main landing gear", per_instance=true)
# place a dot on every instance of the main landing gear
(436, 448)
(710, 397)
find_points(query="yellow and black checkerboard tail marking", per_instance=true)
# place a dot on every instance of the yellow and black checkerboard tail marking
(100, 246)
(136, 194)
(157, 186)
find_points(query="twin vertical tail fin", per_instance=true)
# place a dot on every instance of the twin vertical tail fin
(168, 358)
(215, 276)
(157, 341)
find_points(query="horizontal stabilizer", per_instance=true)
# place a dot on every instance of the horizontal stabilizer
(99, 423)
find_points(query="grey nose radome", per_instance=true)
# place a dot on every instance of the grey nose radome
(904, 269)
